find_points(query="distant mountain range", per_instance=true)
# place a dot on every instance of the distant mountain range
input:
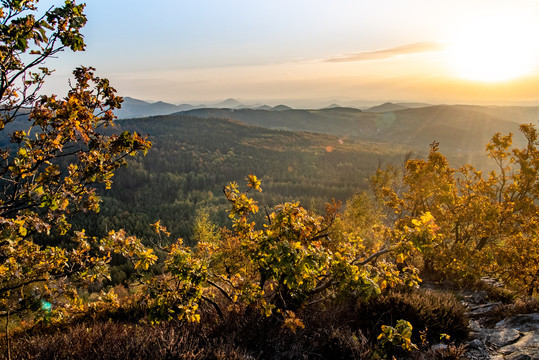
(458, 128)
(135, 108)
(389, 106)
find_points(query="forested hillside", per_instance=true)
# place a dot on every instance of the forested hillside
(459, 129)
(193, 158)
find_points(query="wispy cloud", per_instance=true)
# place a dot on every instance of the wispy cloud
(388, 53)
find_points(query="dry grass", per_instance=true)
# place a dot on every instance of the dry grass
(333, 330)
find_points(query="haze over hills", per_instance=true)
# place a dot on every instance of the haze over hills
(460, 129)
(457, 128)
(388, 106)
(135, 108)
(332, 121)
(229, 103)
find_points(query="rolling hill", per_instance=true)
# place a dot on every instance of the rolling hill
(458, 128)
(385, 107)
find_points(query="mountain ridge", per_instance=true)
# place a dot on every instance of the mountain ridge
(457, 128)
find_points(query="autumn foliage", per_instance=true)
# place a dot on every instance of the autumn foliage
(57, 154)
(486, 224)
(445, 223)
(277, 267)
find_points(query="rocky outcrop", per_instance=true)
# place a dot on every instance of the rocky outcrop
(513, 338)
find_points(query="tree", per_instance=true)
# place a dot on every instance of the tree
(58, 152)
(487, 224)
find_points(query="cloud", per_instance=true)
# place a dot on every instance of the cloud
(388, 53)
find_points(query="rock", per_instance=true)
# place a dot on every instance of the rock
(497, 338)
(514, 338)
(475, 297)
(504, 337)
(527, 345)
(476, 344)
(478, 355)
(483, 309)
(474, 326)
(519, 357)
(477, 350)
(439, 347)
(525, 322)
(522, 356)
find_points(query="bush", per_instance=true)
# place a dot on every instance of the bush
(333, 330)
(427, 310)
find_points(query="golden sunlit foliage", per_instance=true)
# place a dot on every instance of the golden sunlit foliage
(487, 224)
(56, 155)
(279, 266)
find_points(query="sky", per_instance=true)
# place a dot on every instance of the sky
(311, 52)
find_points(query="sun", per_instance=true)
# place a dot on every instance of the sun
(494, 49)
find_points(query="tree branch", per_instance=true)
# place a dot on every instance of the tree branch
(220, 289)
(215, 306)
(372, 257)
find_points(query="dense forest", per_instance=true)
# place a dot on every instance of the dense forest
(192, 159)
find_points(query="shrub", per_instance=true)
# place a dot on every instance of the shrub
(427, 310)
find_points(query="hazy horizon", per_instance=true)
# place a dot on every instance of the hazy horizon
(314, 103)
(305, 52)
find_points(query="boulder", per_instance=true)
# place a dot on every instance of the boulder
(524, 322)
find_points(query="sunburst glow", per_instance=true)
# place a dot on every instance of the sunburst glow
(495, 49)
